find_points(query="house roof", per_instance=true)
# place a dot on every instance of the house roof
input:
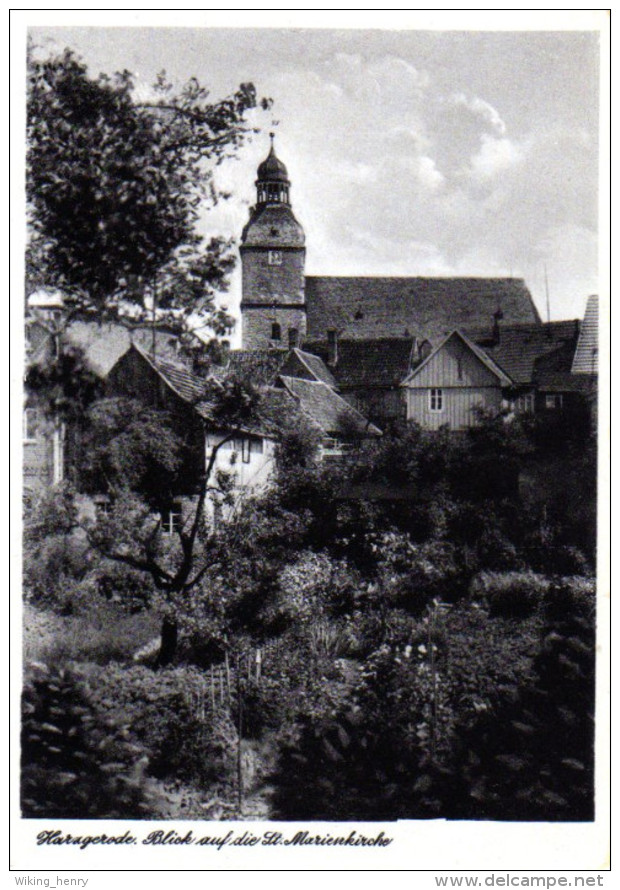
(103, 344)
(327, 410)
(362, 363)
(307, 366)
(372, 308)
(525, 352)
(480, 354)
(191, 388)
(585, 360)
(259, 366)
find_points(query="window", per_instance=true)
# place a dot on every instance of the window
(172, 520)
(245, 451)
(102, 506)
(332, 445)
(274, 258)
(276, 331)
(31, 423)
(553, 401)
(524, 404)
(435, 399)
(459, 368)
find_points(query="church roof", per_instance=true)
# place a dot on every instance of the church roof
(272, 168)
(371, 308)
(586, 353)
(381, 362)
(272, 225)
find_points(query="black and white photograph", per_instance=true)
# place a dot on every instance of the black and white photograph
(311, 441)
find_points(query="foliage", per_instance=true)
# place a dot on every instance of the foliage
(410, 575)
(54, 512)
(66, 384)
(74, 764)
(531, 757)
(130, 446)
(171, 716)
(90, 631)
(115, 186)
(510, 594)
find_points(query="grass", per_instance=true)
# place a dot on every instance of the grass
(102, 635)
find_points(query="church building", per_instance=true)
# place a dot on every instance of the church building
(371, 332)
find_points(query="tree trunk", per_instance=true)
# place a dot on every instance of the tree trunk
(169, 640)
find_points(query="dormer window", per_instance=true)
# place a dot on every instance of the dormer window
(276, 331)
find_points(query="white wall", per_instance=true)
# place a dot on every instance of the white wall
(250, 475)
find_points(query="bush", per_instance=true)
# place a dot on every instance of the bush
(171, 715)
(53, 568)
(74, 764)
(130, 589)
(509, 594)
(531, 757)
(411, 575)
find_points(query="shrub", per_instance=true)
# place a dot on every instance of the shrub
(74, 764)
(53, 568)
(171, 715)
(411, 575)
(130, 589)
(532, 756)
(509, 594)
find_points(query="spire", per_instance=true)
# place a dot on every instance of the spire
(272, 183)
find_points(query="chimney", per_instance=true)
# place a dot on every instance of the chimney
(293, 338)
(332, 347)
(497, 317)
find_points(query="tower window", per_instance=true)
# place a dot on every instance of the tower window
(276, 331)
(275, 258)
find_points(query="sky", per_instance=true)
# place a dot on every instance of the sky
(410, 152)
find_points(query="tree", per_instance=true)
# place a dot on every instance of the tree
(115, 186)
(139, 456)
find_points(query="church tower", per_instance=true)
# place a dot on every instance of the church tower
(273, 308)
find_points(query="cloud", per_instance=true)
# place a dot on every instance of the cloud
(495, 156)
(481, 109)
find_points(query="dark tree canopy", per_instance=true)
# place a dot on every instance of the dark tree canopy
(115, 187)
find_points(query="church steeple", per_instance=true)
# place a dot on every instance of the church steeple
(273, 309)
(272, 184)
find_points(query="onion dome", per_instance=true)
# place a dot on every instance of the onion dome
(272, 169)
(272, 184)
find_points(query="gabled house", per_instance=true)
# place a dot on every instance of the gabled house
(246, 452)
(452, 383)
(538, 360)
(46, 440)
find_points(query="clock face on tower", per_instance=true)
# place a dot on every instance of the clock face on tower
(275, 257)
